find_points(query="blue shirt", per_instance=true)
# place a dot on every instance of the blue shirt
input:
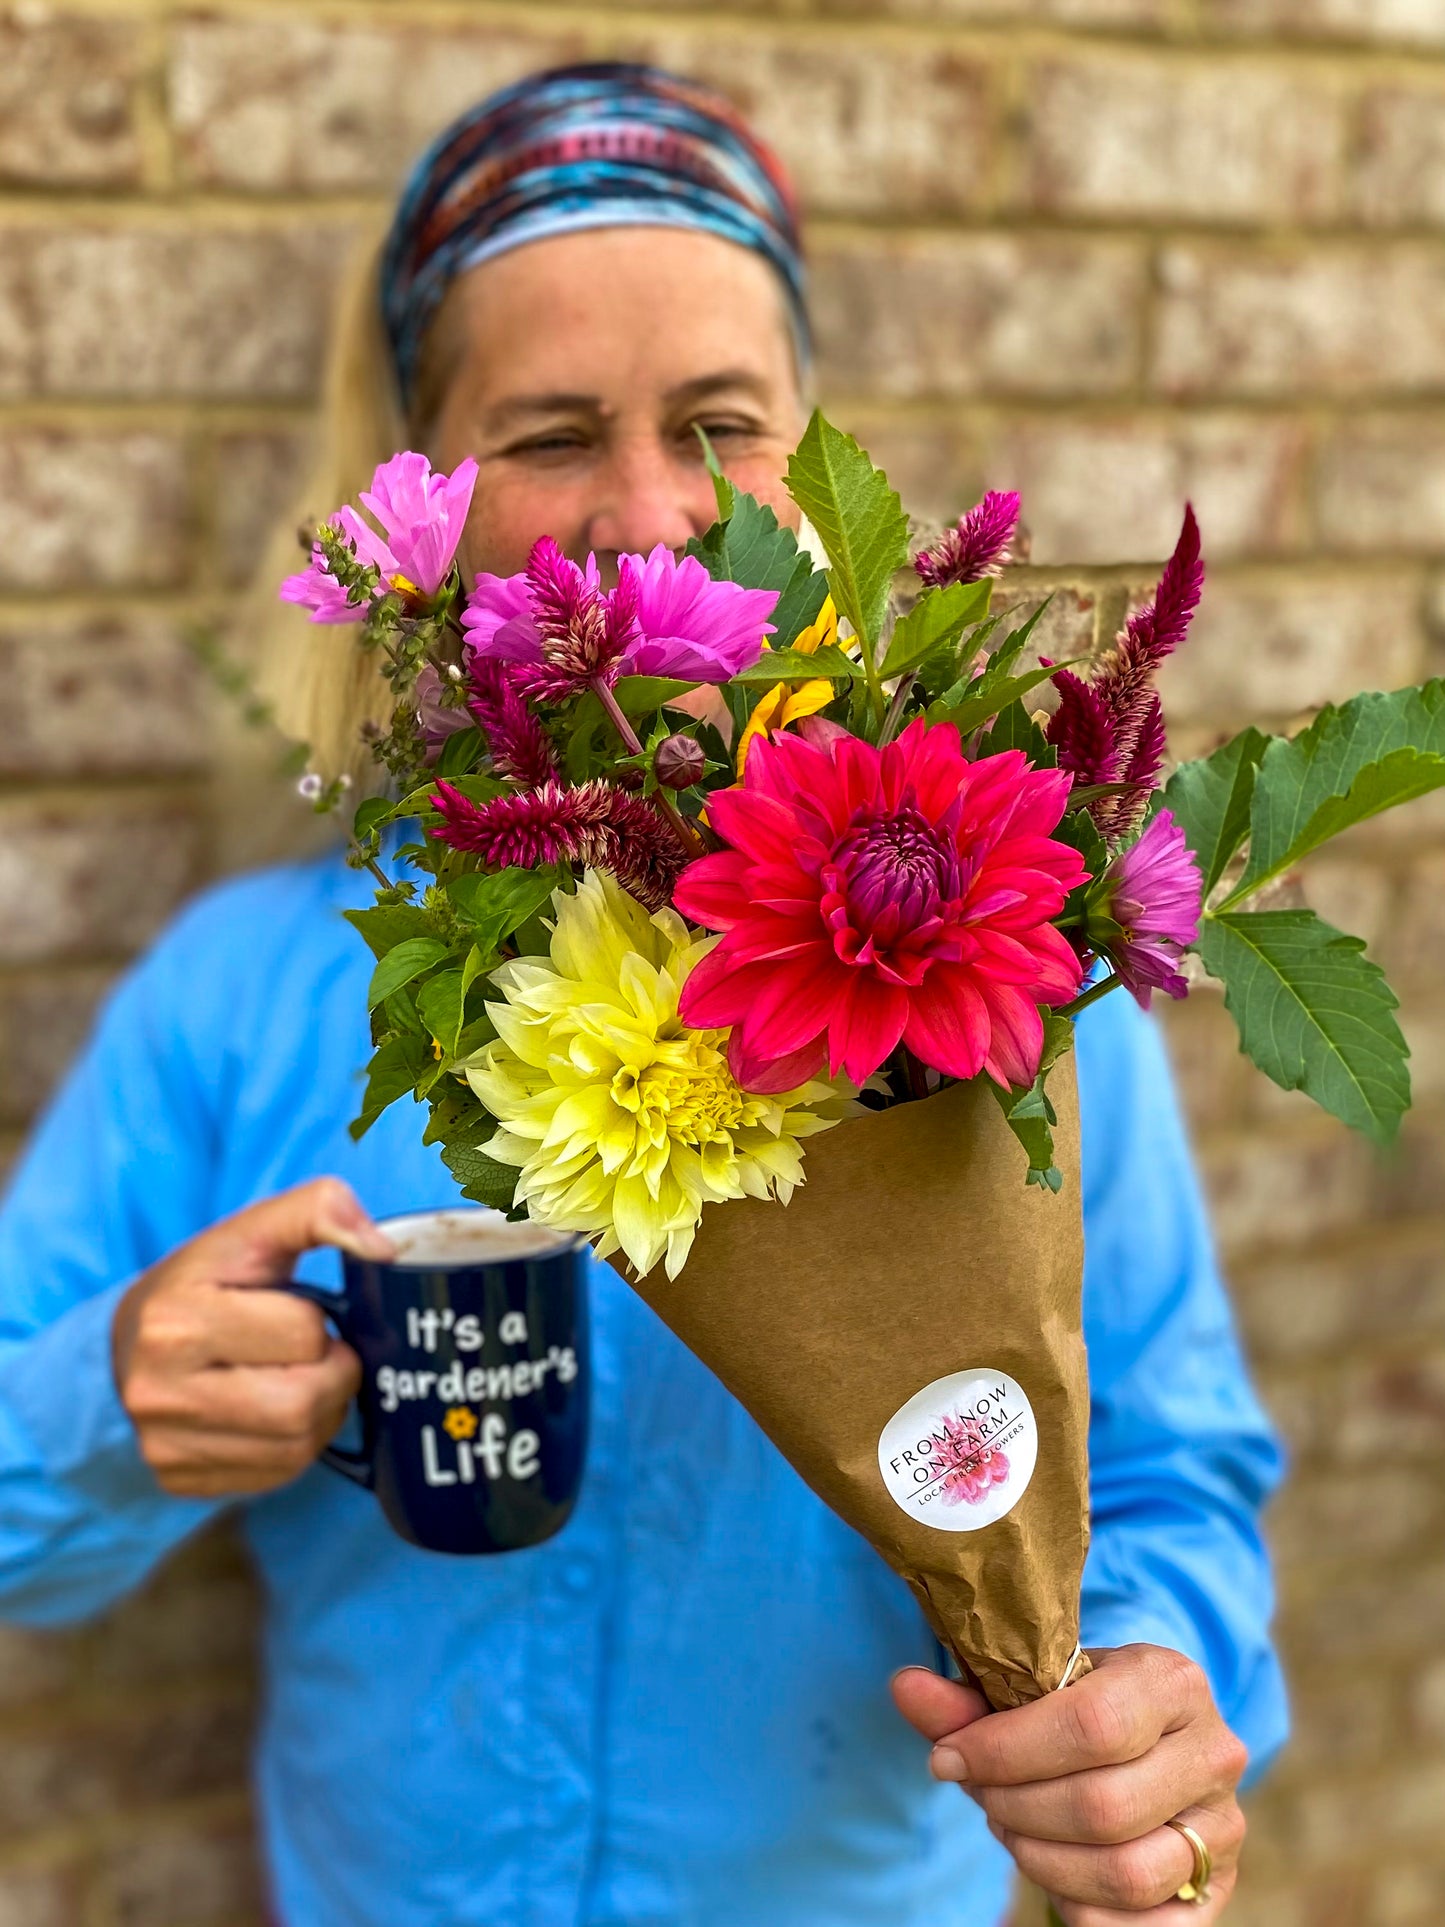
(676, 1712)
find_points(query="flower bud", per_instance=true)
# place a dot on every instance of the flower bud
(678, 761)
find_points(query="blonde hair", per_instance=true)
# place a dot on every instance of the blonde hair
(321, 688)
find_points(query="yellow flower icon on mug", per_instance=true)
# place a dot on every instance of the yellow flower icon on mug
(459, 1423)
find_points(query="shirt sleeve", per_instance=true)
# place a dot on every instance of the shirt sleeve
(1182, 1457)
(118, 1172)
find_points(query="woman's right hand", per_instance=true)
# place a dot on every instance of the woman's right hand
(233, 1387)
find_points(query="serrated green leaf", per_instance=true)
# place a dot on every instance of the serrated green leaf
(1210, 800)
(495, 902)
(1015, 728)
(789, 665)
(859, 519)
(1313, 1013)
(938, 616)
(394, 1070)
(383, 929)
(481, 1178)
(985, 701)
(1365, 756)
(1029, 1113)
(750, 546)
(402, 965)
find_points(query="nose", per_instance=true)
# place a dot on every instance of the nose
(648, 495)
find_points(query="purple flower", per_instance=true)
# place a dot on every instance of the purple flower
(1152, 891)
(593, 823)
(422, 516)
(977, 545)
(691, 627)
(666, 617)
(1111, 728)
(436, 719)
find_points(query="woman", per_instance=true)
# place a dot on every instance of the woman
(677, 1711)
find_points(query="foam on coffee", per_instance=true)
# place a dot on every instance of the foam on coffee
(478, 1237)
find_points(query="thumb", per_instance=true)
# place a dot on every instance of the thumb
(934, 1706)
(260, 1244)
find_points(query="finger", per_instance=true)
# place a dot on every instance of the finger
(260, 1244)
(934, 1706)
(296, 1403)
(1173, 1913)
(1114, 1714)
(1106, 1804)
(1133, 1876)
(260, 1327)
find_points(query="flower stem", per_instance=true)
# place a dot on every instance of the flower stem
(690, 839)
(1092, 995)
(874, 681)
(377, 871)
(895, 710)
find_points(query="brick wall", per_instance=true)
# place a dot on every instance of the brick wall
(1112, 251)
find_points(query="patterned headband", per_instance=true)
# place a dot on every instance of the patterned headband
(604, 145)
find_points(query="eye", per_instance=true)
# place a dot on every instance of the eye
(556, 441)
(722, 428)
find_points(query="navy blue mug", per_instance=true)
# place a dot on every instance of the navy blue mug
(474, 1392)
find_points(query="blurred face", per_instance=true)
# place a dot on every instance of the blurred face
(574, 370)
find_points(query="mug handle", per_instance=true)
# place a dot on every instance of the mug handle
(356, 1466)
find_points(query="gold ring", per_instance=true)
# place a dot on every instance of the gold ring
(1196, 1887)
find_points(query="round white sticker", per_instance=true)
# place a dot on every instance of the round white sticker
(961, 1452)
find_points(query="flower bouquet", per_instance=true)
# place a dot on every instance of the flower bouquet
(751, 882)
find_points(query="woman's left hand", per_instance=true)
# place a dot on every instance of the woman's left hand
(1078, 1785)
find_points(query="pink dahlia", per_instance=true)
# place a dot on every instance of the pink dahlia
(666, 617)
(977, 545)
(968, 1466)
(871, 896)
(1152, 891)
(422, 516)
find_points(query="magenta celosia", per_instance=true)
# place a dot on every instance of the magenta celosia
(1111, 728)
(666, 617)
(1152, 891)
(875, 895)
(977, 545)
(520, 747)
(422, 516)
(594, 824)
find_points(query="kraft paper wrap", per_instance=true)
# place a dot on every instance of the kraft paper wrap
(915, 1250)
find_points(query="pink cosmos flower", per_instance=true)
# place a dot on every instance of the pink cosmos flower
(422, 516)
(666, 617)
(977, 545)
(967, 1464)
(1152, 891)
(875, 895)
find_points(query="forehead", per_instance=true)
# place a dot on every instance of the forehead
(638, 306)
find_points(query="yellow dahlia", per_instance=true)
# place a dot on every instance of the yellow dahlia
(623, 1122)
(788, 703)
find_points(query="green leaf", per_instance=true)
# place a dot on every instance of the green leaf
(750, 546)
(788, 665)
(383, 929)
(396, 1068)
(481, 1178)
(495, 902)
(460, 752)
(439, 1004)
(1015, 728)
(401, 965)
(370, 815)
(859, 518)
(1353, 761)
(1030, 1115)
(985, 701)
(1313, 1013)
(1210, 800)
(938, 616)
